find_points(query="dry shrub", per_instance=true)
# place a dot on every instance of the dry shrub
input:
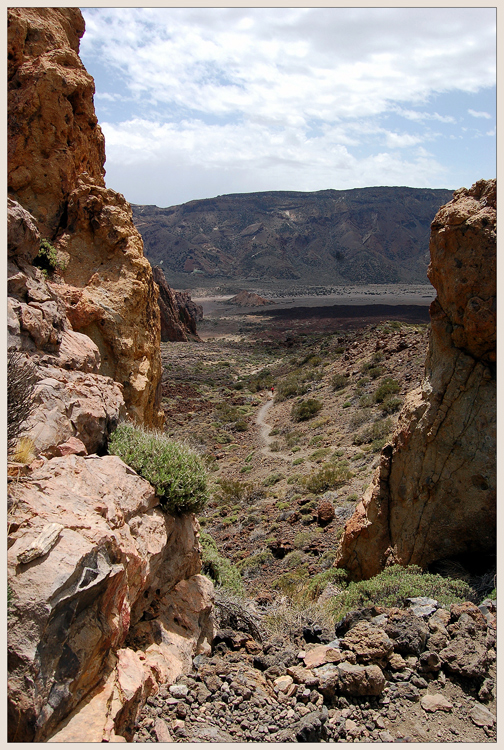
(21, 379)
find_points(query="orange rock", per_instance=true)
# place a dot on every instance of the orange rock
(434, 493)
(55, 164)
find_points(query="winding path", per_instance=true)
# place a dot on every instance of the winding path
(265, 427)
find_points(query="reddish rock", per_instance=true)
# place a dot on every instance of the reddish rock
(325, 512)
(179, 313)
(433, 495)
(55, 171)
(117, 556)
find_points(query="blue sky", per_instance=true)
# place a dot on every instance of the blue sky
(198, 102)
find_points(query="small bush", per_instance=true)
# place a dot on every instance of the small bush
(221, 571)
(329, 477)
(21, 379)
(176, 472)
(292, 438)
(47, 259)
(387, 385)
(339, 381)
(391, 404)
(305, 409)
(273, 479)
(393, 586)
(375, 372)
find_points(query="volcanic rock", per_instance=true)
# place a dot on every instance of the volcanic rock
(55, 165)
(249, 299)
(433, 496)
(365, 235)
(117, 557)
(179, 313)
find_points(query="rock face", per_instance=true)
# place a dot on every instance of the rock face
(366, 235)
(434, 493)
(117, 561)
(249, 299)
(179, 314)
(56, 157)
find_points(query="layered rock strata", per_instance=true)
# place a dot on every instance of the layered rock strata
(434, 493)
(55, 164)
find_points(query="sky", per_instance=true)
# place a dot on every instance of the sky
(199, 102)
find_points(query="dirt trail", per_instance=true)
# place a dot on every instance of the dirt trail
(265, 431)
(265, 427)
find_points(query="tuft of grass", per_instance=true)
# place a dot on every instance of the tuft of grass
(377, 431)
(176, 472)
(25, 451)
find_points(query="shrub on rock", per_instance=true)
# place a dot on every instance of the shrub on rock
(176, 472)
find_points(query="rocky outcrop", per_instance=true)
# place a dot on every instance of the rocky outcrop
(71, 398)
(434, 493)
(110, 563)
(249, 299)
(179, 314)
(360, 236)
(56, 157)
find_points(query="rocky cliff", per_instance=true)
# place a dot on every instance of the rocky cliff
(434, 494)
(105, 598)
(179, 314)
(366, 235)
(55, 171)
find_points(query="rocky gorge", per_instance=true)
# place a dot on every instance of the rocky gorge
(114, 633)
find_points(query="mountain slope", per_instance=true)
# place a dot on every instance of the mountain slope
(365, 235)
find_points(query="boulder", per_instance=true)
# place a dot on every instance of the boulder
(369, 643)
(72, 404)
(325, 512)
(350, 679)
(115, 558)
(433, 496)
(407, 632)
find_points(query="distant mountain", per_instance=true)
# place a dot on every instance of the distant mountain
(364, 235)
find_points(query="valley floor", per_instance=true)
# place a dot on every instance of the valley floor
(282, 490)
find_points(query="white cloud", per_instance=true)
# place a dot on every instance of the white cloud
(485, 115)
(241, 99)
(328, 63)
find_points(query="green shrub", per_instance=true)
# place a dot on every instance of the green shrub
(292, 583)
(292, 438)
(260, 381)
(218, 568)
(319, 581)
(393, 586)
(273, 479)
(375, 372)
(329, 477)
(376, 431)
(339, 381)
(304, 410)
(255, 562)
(176, 472)
(387, 385)
(47, 259)
(391, 404)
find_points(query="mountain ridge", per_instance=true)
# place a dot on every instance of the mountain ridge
(361, 235)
